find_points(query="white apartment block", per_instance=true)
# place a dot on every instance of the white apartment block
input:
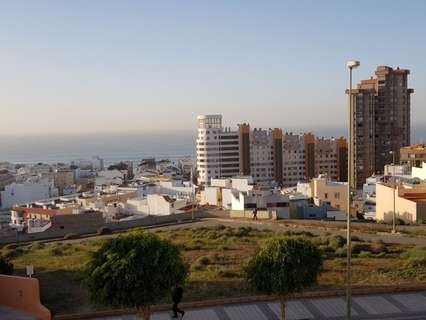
(269, 156)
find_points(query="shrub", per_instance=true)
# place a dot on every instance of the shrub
(341, 252)
(56, 251)
(400, 222)
(10, 254)
(337, 242)
(70, 236)
(37, 246)
(135, 270)
(365, 254)
(243, 232)
(203, 260)
(104, 231)
(416, 257)
(225, 273)
(378, 247)
(355, 239)
(361, 246)
(6, 267)
(11, 246)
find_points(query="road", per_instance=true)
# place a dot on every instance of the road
(401, 306)
(282, 226)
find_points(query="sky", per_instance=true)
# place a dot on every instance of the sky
(148, 66)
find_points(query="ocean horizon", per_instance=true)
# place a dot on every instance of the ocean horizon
(113, 147)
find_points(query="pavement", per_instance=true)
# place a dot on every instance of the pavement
(10, 314)
(401, 306)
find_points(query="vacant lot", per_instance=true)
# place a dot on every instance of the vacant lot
(217, 256)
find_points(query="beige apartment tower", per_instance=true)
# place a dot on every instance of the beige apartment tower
(381, 121)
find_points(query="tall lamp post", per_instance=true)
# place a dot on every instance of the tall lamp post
(351, 65)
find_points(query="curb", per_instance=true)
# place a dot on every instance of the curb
(250, 299)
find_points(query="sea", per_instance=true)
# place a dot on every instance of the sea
(114, 147)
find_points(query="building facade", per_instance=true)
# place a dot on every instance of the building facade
(413, 155)
(269, 156)
(381, 121)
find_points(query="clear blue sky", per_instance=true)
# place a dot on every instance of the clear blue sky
(97, 66)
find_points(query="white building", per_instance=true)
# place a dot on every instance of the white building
(397, 170)
(419, 173)
(270, 200)
(270, 157)
(110, 177)
(156, 204)
(217, 149)
(19, 193)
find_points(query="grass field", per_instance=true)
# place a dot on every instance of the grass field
(217, 256)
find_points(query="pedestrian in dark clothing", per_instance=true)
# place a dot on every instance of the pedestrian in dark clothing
(255, 214)
(177, 294)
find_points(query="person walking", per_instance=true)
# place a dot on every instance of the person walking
(255, 214)
(177, 294)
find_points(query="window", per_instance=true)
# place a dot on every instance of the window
(326, 195)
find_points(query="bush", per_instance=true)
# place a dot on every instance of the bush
(365, 254)
(104, 231)
(6, 267)
(400, 222)
(243, 232)
(341, 252)
(358, 247)
(355, 239)
(71, 236)
(37, 246)
(337, 242)
(203, 260)
(10, 254)
(11, 246)
(378, 247)
(416, 257)
(56, 251)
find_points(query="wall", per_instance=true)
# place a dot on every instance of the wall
(261, 214)
(227, 198)
(158, 205)
(211, 196)
(405, 209)
(23, 294)
(419, 172)
(91, 225)
(332, 192)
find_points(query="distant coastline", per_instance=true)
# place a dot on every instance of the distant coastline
(122, 146)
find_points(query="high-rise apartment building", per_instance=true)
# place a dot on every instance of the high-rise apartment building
(381, 121)
(266, 155)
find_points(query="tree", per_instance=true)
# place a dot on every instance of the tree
(283, 266)
(135, 270)
(6, 267)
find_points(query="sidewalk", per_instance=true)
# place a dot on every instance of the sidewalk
(401, 306)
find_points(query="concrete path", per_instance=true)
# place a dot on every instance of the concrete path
(406, 306)
(10, 314)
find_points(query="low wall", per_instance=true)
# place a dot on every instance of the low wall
(248, 214)
(23, 294)
(84, 224)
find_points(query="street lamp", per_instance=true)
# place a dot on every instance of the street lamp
(351, 65)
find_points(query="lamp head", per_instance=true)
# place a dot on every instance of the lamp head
(351, 64)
